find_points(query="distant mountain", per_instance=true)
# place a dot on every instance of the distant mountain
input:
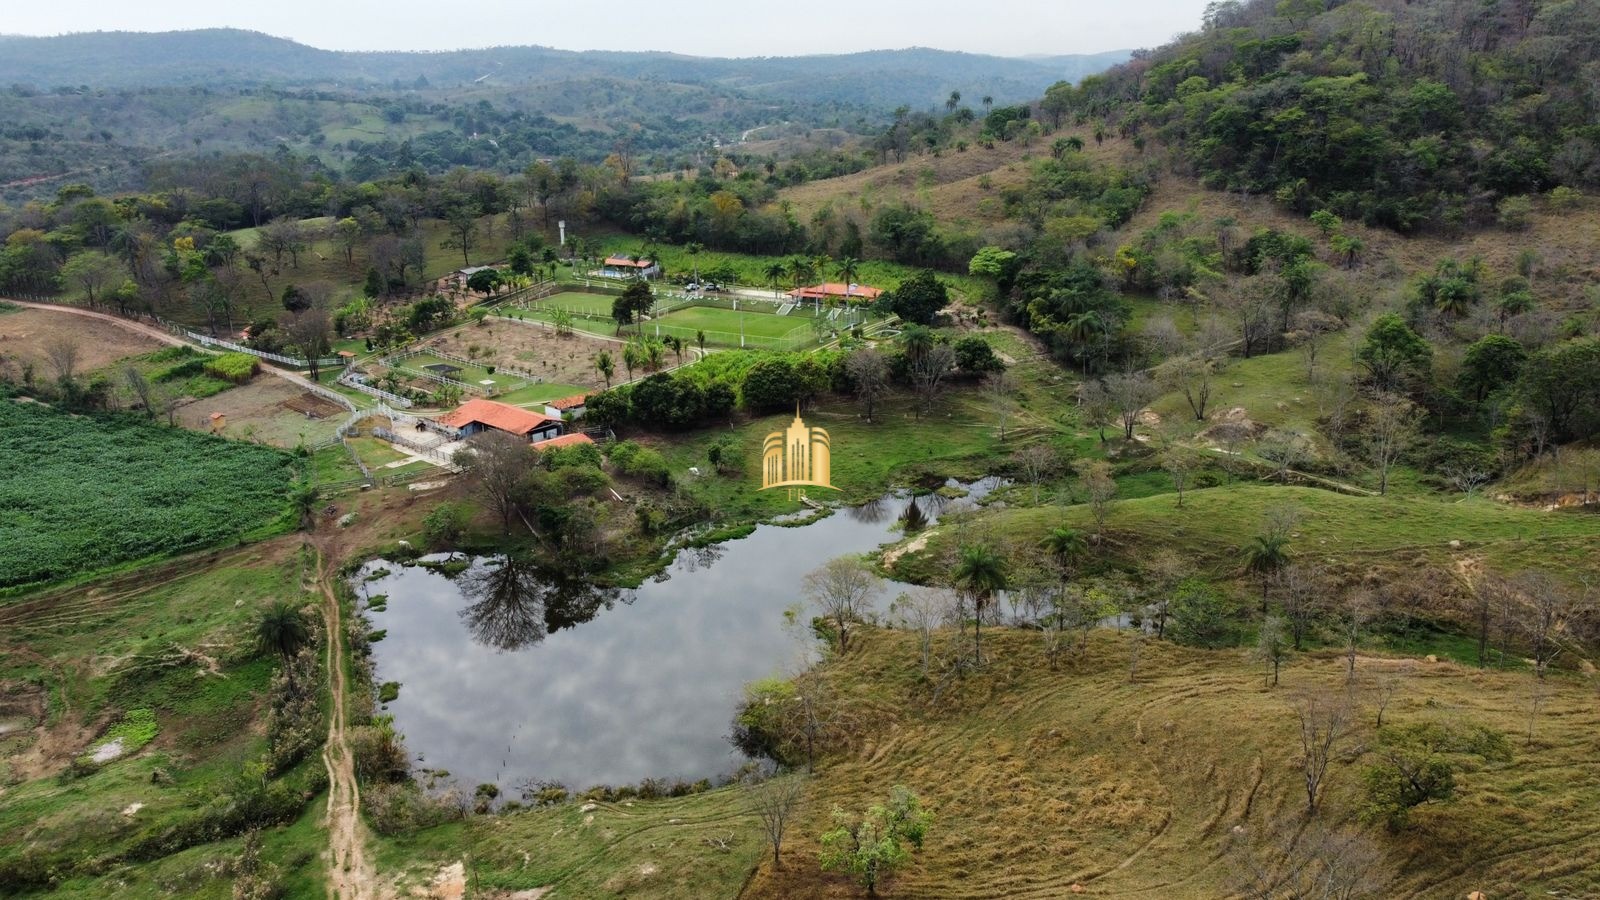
(216, 57)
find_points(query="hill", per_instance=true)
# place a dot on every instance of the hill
(1433, 115)
(212, 57)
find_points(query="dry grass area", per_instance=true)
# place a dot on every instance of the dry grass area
(1041, 779)
(26, 332)
(530, 347)
(267, 410)
(948, 184)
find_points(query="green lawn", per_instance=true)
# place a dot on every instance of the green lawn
(732, 322)
(182, 648)
(536, 393)
(578, 302)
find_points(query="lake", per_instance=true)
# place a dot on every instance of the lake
(508, 675)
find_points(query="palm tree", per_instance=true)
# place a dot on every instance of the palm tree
(952, 101)
(1083, 329)
(655, 354)
(606, 366)
(1266, 556)
(847, 270)
(700, 338)
(775, 272)
(800, 270)
(630, 357)
(988, 101)
(917, 340)
(281, 628)
(1064, 545)
(676, 344)
(981, 573)
(303, 497)
(694, 249)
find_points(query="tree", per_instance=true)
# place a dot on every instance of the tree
(774, 273)
(1036, 462)
(282, 629)
(1391, 429)
(1548, 610)
(869, 372)
(923, 610)
(604, 364)
(1311, 329)
(303, 497)
(1201, 615)
(1000, 391)
(1492, 362)
(1099, 489)
(1180, 464)
(1325, 719)
(872, 846)
(774, 802)
(975, 356)
(1417, 764)
(1265, 557)
(1392, 352)
(1190, 375)
(1130, 395)
(142, 390)
(844, 590)
(1065, 546)
(311, 332)
(94, 273)
(61, 354)
(497, 463)
(1272, 645)
(484, 281)
(1309, 860)
(462, 221)
(981, 573)
(1285, 449)
(928, 371)
(919, 298)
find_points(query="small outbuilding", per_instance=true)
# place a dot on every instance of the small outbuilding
(564, 406)
(566, 440)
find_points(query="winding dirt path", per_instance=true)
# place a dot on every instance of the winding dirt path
(351, 876)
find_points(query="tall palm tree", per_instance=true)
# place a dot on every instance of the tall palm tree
(1065, 545)
(675, 344)
(917, 340)
(1083, 329)
(800, 270)
(1265, 557)
(952, 101)
(847, 270)
(631, 357)
(775, 272)
(303, 497)
(694, 249)
(282, 629)
(981, 572)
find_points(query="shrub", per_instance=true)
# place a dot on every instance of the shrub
(235, 367)
(640, 462)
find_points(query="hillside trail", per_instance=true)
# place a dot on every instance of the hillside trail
(150, 331)
(351, 874)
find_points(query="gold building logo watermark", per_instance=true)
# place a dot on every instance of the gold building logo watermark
(796, 458)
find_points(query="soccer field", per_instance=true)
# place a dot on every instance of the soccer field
(727, 321)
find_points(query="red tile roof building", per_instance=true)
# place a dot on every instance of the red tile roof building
(476, 415)
(566, 440)
(832, 289)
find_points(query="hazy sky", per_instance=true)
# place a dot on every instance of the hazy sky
(702, 27)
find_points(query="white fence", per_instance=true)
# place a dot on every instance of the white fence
(291, 361)
(355, 381)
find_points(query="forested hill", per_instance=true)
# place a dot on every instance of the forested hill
(1434, 114)
(917, 77)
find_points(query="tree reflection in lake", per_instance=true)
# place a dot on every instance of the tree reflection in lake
(872, 512)
(513, 602)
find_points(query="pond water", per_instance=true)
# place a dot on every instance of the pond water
(508, 675)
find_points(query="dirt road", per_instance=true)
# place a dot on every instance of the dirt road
(351, 875)
(150, 331)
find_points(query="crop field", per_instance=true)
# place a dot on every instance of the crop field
(104, 490)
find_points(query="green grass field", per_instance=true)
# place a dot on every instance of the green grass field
(729, 324)
(585, 302)
(537, 393)
(178, 643)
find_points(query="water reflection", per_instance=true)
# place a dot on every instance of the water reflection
(514, 603)
(583, 689)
